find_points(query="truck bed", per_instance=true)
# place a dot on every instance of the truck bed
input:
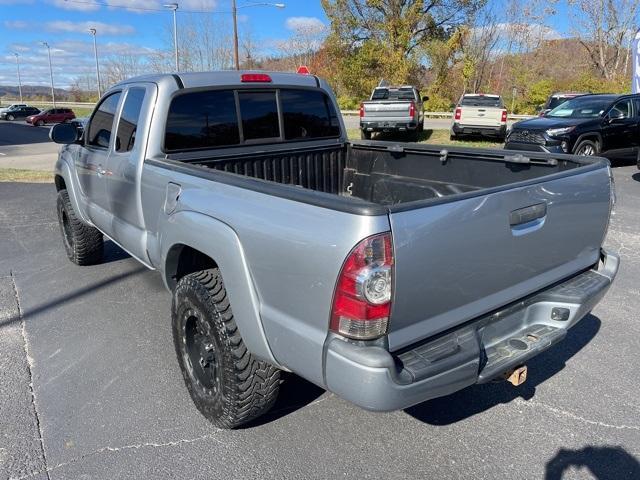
(389, 175)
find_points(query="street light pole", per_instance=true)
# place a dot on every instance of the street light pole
(234, 13)
(53, 94)
(174, 7)
(19, 80)
(93, 32)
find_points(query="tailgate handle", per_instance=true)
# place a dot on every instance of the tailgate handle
(527, 214)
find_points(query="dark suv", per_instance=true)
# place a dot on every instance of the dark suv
(605, 124)
(18, 112)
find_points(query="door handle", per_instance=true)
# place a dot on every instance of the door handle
(527, 214)
(101, 171)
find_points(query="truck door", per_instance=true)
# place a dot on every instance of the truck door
(91, 163)
(125, 170)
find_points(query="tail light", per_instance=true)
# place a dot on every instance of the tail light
(362, 299)
(361, 110)
(504, 116)
(412, 109)
(255, 78)
(457, 114)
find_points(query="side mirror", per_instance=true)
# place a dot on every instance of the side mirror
(425, 98)
(65, 133)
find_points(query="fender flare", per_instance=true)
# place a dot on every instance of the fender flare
(220, 242)
(63, 170)
(588, 135)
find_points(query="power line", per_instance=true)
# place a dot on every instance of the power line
(142, 9)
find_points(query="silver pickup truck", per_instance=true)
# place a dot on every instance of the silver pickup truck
(393, 109)
(387, 273)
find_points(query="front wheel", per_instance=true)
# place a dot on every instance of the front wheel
(587, 148)
(227, 384)
(11, 118)
(83, 244)
(39, 123)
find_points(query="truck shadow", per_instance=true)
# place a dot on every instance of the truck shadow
(604, 463)
(478, 398)
(295, 393)
(113, 253)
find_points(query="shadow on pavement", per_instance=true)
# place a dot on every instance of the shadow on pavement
(56, 302)
(295, 393)
(636, 176)
(604, 463)
(478, 398)
(113, 253)
(21, 133)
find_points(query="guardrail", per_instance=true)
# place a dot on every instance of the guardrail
(444, 114)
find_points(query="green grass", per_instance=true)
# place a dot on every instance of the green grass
(25, 176)
(432, 137)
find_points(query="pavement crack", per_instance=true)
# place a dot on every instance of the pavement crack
(134, 446)
(29, 368)
(574, 416)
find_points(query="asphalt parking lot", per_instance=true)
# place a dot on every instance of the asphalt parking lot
(90, 387)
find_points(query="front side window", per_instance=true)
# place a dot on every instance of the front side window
(308, 114)
(102, 122)
(128, 123)
(259, 112)
(202, 120)
(622, 109)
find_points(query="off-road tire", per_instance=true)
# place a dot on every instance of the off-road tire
(364, 135)
(241, 387)
(589, 145)
(83, 244)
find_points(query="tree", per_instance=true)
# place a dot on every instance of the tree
(605, 29)
(384, 38)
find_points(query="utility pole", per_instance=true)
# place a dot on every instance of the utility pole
(53, 94)
(93, 32)
(19, 80)
(234, 13)
(174, 7)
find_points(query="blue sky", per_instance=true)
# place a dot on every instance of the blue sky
(64, 25)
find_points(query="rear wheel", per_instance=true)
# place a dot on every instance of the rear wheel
(364, 135)
(83, 244)
(587, 148)
(227, 384)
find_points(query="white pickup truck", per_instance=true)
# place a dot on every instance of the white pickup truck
(479, 114)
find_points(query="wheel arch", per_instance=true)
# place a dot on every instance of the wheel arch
(588, 136)
(194, 241)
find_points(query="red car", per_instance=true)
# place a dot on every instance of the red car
(53, 115)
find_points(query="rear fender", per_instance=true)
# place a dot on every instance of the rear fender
(219, 241)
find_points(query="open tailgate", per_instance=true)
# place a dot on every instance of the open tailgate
(457, 260)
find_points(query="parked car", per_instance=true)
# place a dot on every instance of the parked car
(53, 115)
(556, 99)
(479, 114)
(16, 113)
(393, 109)
(602, 124)
(388, 273)
(13, 105)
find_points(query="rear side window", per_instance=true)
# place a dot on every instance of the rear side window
(126, 136)
(102, 122)
(259, 111)
(202, 120)
(308, 114)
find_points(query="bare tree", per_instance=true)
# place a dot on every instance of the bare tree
(303, 45)
(123, 66)
(604, 28)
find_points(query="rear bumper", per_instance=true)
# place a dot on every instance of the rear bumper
(387, 125)
(497, 131)
(478, 352)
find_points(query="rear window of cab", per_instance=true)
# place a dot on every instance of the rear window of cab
(223, 118)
